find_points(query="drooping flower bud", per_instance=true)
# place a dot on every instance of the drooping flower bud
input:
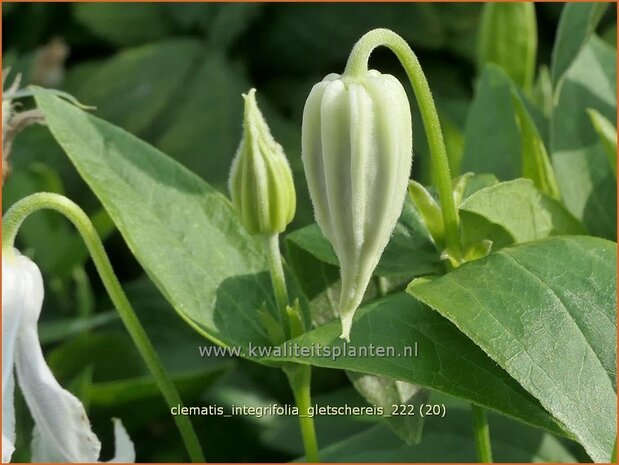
(357, 154)
(260, 181)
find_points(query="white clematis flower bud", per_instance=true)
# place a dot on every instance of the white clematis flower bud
(357, 154)
(62, 431)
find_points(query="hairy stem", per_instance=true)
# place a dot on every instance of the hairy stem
(358, 65)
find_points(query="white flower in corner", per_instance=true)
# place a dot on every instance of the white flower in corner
(62, 431)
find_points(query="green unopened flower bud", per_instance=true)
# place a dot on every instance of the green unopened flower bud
(357, 154)
(260, 181)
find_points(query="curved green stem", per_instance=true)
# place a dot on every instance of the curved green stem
(482, 434)
(10, 225)
(357, 66)
(299, 376)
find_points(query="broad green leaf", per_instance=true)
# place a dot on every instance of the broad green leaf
(529, 304)
(585, 176)
(410, 251)
(210, 270)
(123, 24)
(385, 392)
(513, 205)
(450, 439)
(578, 22)
(447, 361)
(535, 161)
(508, 38)
(469, 183)
(607, 133)
(492, 139)
(129, 89)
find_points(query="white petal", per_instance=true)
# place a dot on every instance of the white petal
(123, 446)
(15, 288)
(8, 420)
(62, 431)
(7, 449)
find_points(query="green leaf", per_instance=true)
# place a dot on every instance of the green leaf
(563, 222)
(515, 206)
(511, 442)
(210, 270)
(535, 162)
(578, 22)
(385, 392)
(410, 251)
(542, 91)
(496, 140)
(469, 183)
(508, 38)
(607, 133)
(587, 182)
(129, 89)
(123, 24)
(429, 210)
(529, 304)
(492, 139)
(447, 361)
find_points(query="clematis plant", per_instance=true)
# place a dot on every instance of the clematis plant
(62, 431)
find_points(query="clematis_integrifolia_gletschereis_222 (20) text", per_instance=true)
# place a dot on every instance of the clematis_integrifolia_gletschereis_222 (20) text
(62, 431)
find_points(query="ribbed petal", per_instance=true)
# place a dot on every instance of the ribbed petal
(357, 153)
(62, 431)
